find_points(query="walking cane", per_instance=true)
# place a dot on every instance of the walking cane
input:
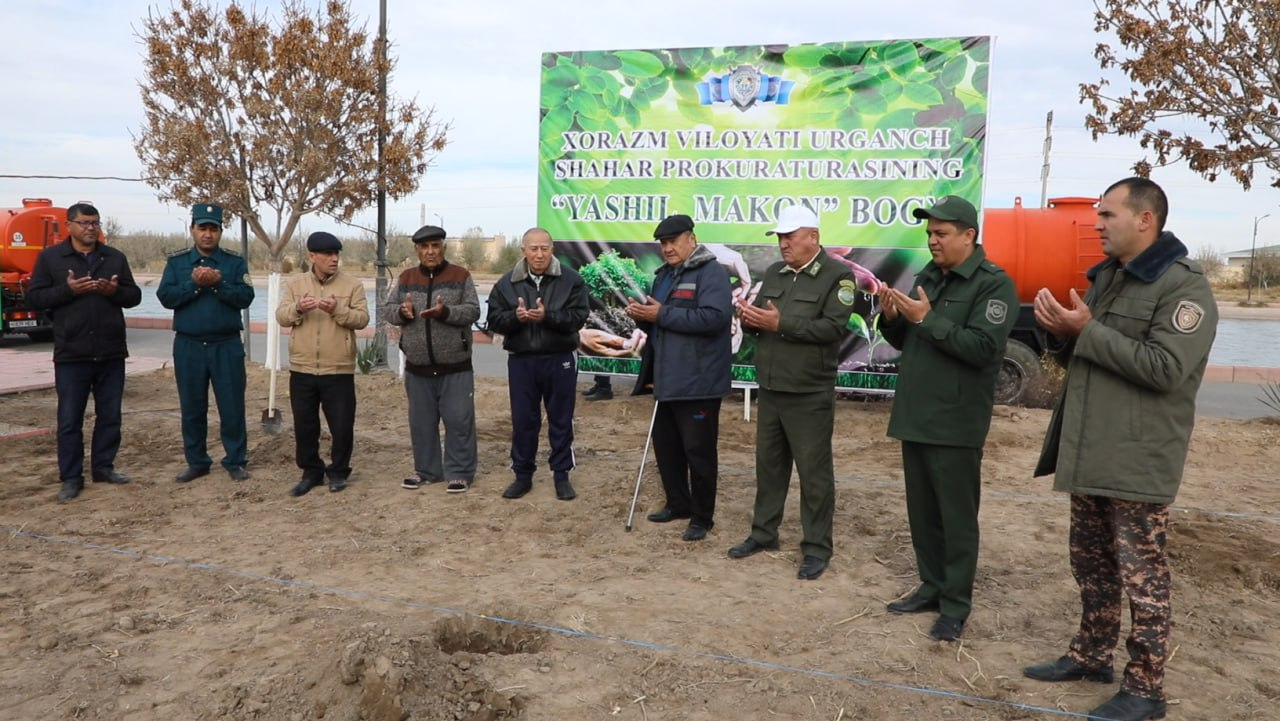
(640, 474)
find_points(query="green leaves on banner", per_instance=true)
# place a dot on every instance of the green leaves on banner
(640, 64)
(805, 56)
(902, 57)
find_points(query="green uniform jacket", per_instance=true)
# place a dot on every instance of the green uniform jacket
(815, 304)
(947, 372)
(205, 312)
(1123, 423)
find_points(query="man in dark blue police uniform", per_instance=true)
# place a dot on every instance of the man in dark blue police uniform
(207, 287)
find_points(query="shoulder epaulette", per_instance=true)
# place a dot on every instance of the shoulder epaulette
(229, 252)
(182, 251)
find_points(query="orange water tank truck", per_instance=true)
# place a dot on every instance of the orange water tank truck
(1049, 247)
(24, 232)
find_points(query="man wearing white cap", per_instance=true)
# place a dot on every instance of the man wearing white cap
(799, 317)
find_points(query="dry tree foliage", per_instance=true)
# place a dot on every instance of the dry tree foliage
(1212, 61)
(252, 113)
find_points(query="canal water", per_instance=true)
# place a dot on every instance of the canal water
(1250, 342)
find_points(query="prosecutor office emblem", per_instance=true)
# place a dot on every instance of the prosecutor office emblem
(997, 311)
(847, 292)
(1187, 316)
(744, 86)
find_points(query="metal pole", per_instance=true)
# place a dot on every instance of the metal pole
(1044, 169)
(1253, 249)
(244, 250)
(643, 457)
(380, 286)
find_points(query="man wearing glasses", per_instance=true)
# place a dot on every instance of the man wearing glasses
(85, 286)
(208, 288)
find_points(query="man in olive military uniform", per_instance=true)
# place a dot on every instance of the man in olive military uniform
(207, 287)
(951, 329)
(1135, 349)
(799, 317)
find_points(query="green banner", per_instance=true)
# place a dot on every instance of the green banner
(861, 132)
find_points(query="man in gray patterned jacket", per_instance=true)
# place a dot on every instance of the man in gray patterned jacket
(435, 304)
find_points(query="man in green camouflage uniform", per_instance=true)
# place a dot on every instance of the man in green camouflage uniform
(799, 317)
(1135, 349)
(951, 329)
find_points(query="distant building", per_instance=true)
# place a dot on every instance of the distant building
(1240, 258)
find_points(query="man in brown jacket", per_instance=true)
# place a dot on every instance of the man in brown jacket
(324, 308)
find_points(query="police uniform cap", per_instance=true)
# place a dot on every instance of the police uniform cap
(950, 207)
(206, 213)
(322, 242)
(429, 232)
(673, 225)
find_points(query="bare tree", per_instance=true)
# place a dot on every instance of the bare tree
(247, 113)
(1211, 260)
(1212, 61)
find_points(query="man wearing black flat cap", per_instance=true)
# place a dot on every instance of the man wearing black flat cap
(686, 362)
(434, 304)
(208, 288)
(952, 329)
(324, 308)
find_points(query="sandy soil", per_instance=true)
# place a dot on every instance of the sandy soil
(223, 600)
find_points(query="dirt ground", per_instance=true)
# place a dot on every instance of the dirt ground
(224, 600)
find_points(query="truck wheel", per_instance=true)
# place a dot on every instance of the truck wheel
(40, 336)
(1020, 374)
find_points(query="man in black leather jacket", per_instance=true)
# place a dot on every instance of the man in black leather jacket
(539, 307)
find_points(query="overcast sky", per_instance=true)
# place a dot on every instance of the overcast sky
(72, 67)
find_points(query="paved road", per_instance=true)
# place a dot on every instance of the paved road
(1222, 400)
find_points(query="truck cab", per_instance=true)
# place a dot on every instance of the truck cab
(24, 232)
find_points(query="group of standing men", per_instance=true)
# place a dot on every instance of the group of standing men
(1135, 347)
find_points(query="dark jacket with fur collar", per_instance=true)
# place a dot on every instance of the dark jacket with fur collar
(688, 356)
(1123, 422)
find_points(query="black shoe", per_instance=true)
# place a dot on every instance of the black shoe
(191, 474)
(811, 567)
(303, 487)
(564, 490)
(110, 477)
(665, 515)
(598, 388)
(946, 629)
(1124, 706)
(70, 489)
(238, 473)
(750, 547)
(599, 394)
(694, 532)
(337, 484)
(517, 489)
(915, 604)
(1064, 669)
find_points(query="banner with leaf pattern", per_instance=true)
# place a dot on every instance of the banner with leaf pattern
(860, 132)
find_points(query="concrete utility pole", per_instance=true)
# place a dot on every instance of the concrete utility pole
(1253, 249)
(380, 286)
(1044, 169)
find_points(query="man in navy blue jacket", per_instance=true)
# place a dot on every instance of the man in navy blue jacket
(539, 307)
(85, 285)
(686, 366)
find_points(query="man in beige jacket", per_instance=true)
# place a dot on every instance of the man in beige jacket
(324, 308)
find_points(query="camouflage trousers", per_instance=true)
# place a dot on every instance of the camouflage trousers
(1119, 547)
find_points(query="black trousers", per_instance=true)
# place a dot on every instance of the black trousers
(336, 396)
(686, 435)
(534, 382)
(75, 382)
